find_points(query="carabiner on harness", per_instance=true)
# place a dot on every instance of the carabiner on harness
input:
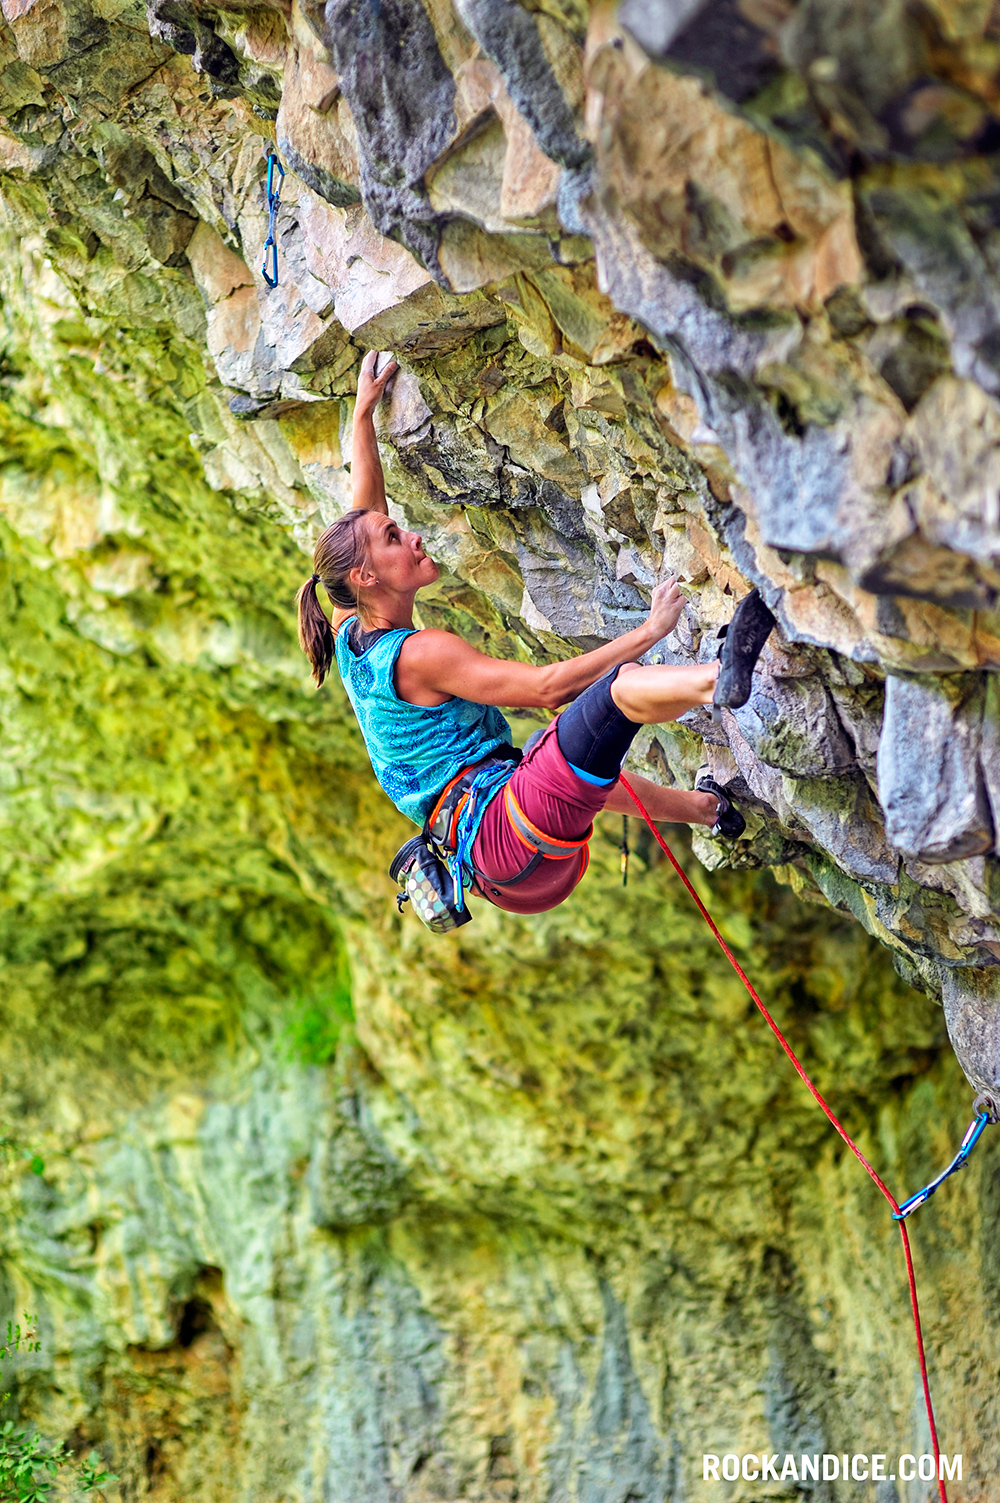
(270, 274)
(984, 1114)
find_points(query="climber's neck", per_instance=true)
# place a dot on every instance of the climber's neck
(389, 610)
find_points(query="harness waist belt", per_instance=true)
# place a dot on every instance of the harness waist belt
(535, 839)
(441, 824)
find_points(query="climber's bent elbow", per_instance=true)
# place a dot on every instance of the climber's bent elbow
(552, 693)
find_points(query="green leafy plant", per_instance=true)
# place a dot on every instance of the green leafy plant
(18, 1339)
(91, 1476)
(27, 1467)
(28, 1464)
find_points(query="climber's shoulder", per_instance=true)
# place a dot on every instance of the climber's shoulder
(430, 649)
(432, 666)
(429, 641)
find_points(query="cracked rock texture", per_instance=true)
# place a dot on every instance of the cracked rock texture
(706, 287)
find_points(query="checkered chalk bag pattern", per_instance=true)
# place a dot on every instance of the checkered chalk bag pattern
(428, 885)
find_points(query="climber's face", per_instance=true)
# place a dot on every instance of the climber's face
(396, 558)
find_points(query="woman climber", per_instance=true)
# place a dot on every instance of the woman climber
(427, 704)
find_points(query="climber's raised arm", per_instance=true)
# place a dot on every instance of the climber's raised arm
(435, 665)
(367, 481)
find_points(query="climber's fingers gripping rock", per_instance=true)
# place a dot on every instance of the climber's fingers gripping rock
(665, 607)
(375, 375)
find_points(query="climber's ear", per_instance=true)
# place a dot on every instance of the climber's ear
(362, 577)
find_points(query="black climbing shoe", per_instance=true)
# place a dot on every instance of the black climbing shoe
(744, 638)
(728, 820)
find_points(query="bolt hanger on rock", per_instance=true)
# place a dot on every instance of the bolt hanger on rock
(270, 272)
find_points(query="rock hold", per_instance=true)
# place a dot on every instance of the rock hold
(972, 1012)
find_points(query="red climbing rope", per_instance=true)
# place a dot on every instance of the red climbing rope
(821, 1102)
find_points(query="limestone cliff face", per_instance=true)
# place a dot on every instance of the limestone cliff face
(708, 288)
(703, 288)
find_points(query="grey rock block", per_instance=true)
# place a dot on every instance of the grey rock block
(930, 780)
(676, 310)
(765, 783)
(378, 1428)
(508, 34)
(656, 23)
(936, 248)
(859, 709)
(843, 818)
(838, 814)
(402, 99)
(955, 432)
(793, 724)
(714, 37)
(800, 485)
(624, 1456)
(806, 497)
(972, 1012)
(563, 598)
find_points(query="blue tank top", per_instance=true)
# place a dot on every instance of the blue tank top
(416, 749)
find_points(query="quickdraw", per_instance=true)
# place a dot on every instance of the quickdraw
(270, 274)
(984, 1110)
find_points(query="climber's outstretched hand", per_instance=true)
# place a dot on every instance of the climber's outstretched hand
(665, 608)
(371, 387)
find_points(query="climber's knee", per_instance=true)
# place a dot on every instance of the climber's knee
(593, 733)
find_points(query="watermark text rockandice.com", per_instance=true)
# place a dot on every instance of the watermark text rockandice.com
(802, 1467)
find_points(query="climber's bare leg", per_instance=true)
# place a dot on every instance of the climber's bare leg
(650, 695)
(668, 805)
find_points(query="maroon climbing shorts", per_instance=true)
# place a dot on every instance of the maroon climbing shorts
(558, 803)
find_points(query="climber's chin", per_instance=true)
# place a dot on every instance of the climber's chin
(428, 571)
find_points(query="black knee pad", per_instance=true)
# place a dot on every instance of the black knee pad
(592, 732)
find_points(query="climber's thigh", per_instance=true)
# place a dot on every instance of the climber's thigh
(557, 802)
(594, 736)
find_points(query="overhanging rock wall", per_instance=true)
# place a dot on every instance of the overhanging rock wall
(709, 288)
